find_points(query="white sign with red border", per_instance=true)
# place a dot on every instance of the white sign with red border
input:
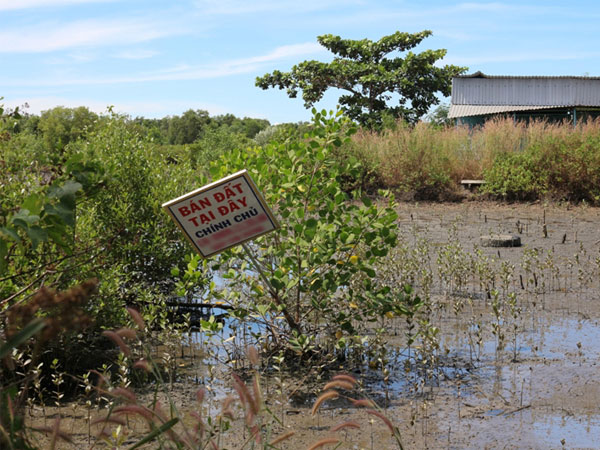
(222, 214)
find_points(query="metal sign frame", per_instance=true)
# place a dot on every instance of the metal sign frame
(213, 224)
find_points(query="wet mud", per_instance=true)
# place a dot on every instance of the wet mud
(535, 387)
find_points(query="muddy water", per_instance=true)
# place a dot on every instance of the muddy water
(537, 388)
(544, 391)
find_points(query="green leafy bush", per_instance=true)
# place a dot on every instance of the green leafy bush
(516, 176)
(563, 167)
(319, 268)
(214, 142)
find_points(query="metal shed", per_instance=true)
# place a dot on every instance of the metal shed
(477, 97)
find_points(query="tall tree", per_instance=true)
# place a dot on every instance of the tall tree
(61, 125)
(439, 116)
(187, 128)
(373, 78)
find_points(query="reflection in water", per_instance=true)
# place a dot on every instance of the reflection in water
(577, 432)
(503, 394)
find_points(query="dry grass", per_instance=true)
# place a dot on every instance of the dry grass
(430, 161)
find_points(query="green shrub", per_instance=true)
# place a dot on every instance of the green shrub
(518, 160)
(319, 266)
(96, 213)
(213, 143)
(515, 176)
(556, 161)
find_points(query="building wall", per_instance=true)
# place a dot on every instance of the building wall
(566, 115)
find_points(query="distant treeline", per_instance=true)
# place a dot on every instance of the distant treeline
(192, 124)
(427, 160)
(60, 125)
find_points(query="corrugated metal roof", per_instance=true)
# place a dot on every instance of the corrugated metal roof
(526, 91)
(480, 74)
(480, 110)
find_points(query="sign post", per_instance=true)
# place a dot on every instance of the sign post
(223, 214)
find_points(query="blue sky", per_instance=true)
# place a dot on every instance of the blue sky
(156, 58)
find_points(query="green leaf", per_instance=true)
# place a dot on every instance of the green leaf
(347, 326)
(33, 203)
(3, 254)
(24, 218)
(262, 309)
(37, 235)
(64, 210)
(309, 233)
(58, 235)
(369, 271)
(156, 432)
(277, 284)
(215, 171)
(71, 187)
(312, 223)
(9, 233)
(31, 329)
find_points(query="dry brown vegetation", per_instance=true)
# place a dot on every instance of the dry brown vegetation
(429, 161)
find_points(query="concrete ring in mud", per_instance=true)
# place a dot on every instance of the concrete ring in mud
(500, 240)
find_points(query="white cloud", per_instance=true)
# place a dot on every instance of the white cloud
(183, 72)
(136, 54)
(482, 7)
(283, 52)
(82, 57)
(67, 59)
(7, 5)
(227, 68)
(457, 35)
(470, 16)
(514, 9)
(84, 33)
(240, 7)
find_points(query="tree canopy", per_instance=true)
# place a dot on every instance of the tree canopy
(61, 125)
(374, 79)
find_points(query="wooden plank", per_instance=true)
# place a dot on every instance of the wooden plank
(470, 184)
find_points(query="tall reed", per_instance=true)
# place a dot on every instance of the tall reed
(517, 159)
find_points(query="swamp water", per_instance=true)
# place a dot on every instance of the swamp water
(524, 374)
